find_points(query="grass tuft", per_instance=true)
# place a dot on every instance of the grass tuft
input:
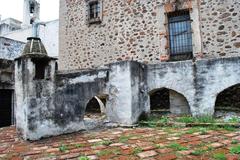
(235, 149)
(219, 156)
(83, 158)
(177, 147)
(63, 148)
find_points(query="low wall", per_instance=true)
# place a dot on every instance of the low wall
(127, 86)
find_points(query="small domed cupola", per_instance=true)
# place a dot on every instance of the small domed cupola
(34, 47)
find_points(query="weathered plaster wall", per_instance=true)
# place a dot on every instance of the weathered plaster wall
(34, 103)
(178, 104)
(212, 77)
(6, 74)
(10, 49)
(220, 26)
(130, 30)
(176, 76)
(57, 105)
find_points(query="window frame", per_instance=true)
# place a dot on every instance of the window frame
(98, 18)
(178, 55)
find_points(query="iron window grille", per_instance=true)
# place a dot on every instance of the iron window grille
(180, 35)
(94, 12)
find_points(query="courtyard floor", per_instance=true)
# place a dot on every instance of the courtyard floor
(126, 144)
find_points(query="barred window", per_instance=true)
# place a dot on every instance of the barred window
(94, 10)
(180, 34)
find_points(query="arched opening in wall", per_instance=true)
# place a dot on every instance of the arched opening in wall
(96, 109)
(227, 104)
(167, 101)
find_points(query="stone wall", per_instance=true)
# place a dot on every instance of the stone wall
(10, 49)
(56, 105)
(130, 30)
(137, 30)
(220, 26)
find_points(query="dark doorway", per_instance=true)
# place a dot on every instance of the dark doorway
(5, 108)
(160, 101)
(228, 100)
(165, 101)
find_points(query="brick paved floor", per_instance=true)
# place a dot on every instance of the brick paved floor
(125, 144)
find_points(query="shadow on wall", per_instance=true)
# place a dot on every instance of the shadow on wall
(228, 102)
(165, 101)
(95, 112)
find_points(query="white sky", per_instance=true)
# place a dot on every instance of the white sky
(14, 9)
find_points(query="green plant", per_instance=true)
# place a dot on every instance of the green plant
(198, 152)
(234, 120)
(205, 119)
(229, 128)
(63, 148)
(192, 130)
(106, 143)
(158, 146)
(79, 145)
(202, 119)
(203, 131)
(177, 147)
(234, 141)
(104, 152)
(235, 149)
(116, 151)
(137, 150)
(163, 119)
(124, 138)
(219, 156)
(83, 158)
(187, 119)
(210, 148)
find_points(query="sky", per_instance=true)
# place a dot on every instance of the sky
(14, 9)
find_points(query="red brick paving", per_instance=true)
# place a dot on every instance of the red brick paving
(121, 144)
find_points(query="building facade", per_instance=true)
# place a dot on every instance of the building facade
(147, 31)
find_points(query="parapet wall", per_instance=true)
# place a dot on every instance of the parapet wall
(127, 86)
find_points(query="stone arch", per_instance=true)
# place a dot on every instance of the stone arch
(95, 112)
(96, 105)
(164, 100)
(227, 102)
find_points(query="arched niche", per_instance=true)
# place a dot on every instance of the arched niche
(165, 101)
(228, 102)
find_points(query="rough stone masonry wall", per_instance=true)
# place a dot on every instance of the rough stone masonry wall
(220, 26)
(130, 30)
